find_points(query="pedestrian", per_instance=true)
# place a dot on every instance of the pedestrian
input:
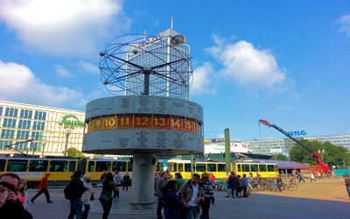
(245, 185)
(159, 186)
(239, 187)
(73, 192)
(347, 183)
(234, 185)
(10, 206)
(179, 181)
(117, 182)
(126, 181)
(43, 185)
(22, 192)
(106, 196)
(87, 196)
(229, 184)
(208, 195)
(173, 203)
(192, 196)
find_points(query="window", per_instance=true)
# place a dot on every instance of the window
(1, 108)
(200, 167)
(130, 166)
(2, 165)
(221, 167)
(262, 168)
(91, 167)
(239, 167)
(254, 168)
(211, 167)
(103, 166)
(188, 167)
(38, 165)
(119, 166)
(270, 168)
(180, 167)
(11, 112)
(245, 168)
(58, 166)
(17, 165)
(72, 166)
(172, 167)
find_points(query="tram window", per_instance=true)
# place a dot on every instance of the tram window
(103, 166)
(119, 166)
(245, 168)
(221, 167)
(188, 167)
(17, 165)
(58, 166)
(2, 165)
(254, 168)
(180, 167)
(129, 166)
(200, 167)
(262, 168)
(38, 165)
(211, 167)
(91, 167)
(270, 168)
(239, 167)
(72, 166)
(172, 167)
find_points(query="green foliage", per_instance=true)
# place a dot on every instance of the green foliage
(279, 157)
(330, 153)
(73, 152)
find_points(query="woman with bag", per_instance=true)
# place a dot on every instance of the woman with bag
(106, 196)
(87, 196)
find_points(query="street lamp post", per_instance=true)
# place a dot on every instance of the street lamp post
(68, 132)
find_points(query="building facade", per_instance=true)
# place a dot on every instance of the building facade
(47, 127)
(283, 145)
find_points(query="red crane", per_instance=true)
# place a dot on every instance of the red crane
(322, 166)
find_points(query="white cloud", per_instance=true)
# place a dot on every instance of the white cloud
(64, 27)
(88, 67)
(18, 83)
(344, 24)
(202, 79)
(62, 71)
(247, 65)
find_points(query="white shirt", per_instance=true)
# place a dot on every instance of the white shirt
(193, 201)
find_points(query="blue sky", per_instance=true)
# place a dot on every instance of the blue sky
(284, 61)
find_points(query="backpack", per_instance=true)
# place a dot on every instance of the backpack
(68, 192)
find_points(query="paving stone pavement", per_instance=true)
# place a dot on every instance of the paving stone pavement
(256, 206)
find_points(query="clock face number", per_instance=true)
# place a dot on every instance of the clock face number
(144, 121)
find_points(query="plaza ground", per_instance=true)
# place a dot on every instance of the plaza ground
(326, 199)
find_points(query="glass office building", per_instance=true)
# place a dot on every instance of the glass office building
(48, 128)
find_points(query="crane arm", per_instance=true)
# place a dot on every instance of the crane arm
(314, 154)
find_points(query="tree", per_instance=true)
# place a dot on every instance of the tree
(73, 152)
(279, 157)
(330, 153)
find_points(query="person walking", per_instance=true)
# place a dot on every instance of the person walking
(43, 185)
(208, 195)
(117, 182)
(126, 181)
(73, 192)
(239, 187)
(179, 181)
(245, 184)
(229, 184)
(159, 186)
(87, 196)
(192, 196)
(172, 202)
(10, 205)
(106, 196)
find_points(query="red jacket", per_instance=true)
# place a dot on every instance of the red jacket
(43, 183)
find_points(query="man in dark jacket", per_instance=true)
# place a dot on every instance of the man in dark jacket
(10, 206)
(234, 185)
(73, 192)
